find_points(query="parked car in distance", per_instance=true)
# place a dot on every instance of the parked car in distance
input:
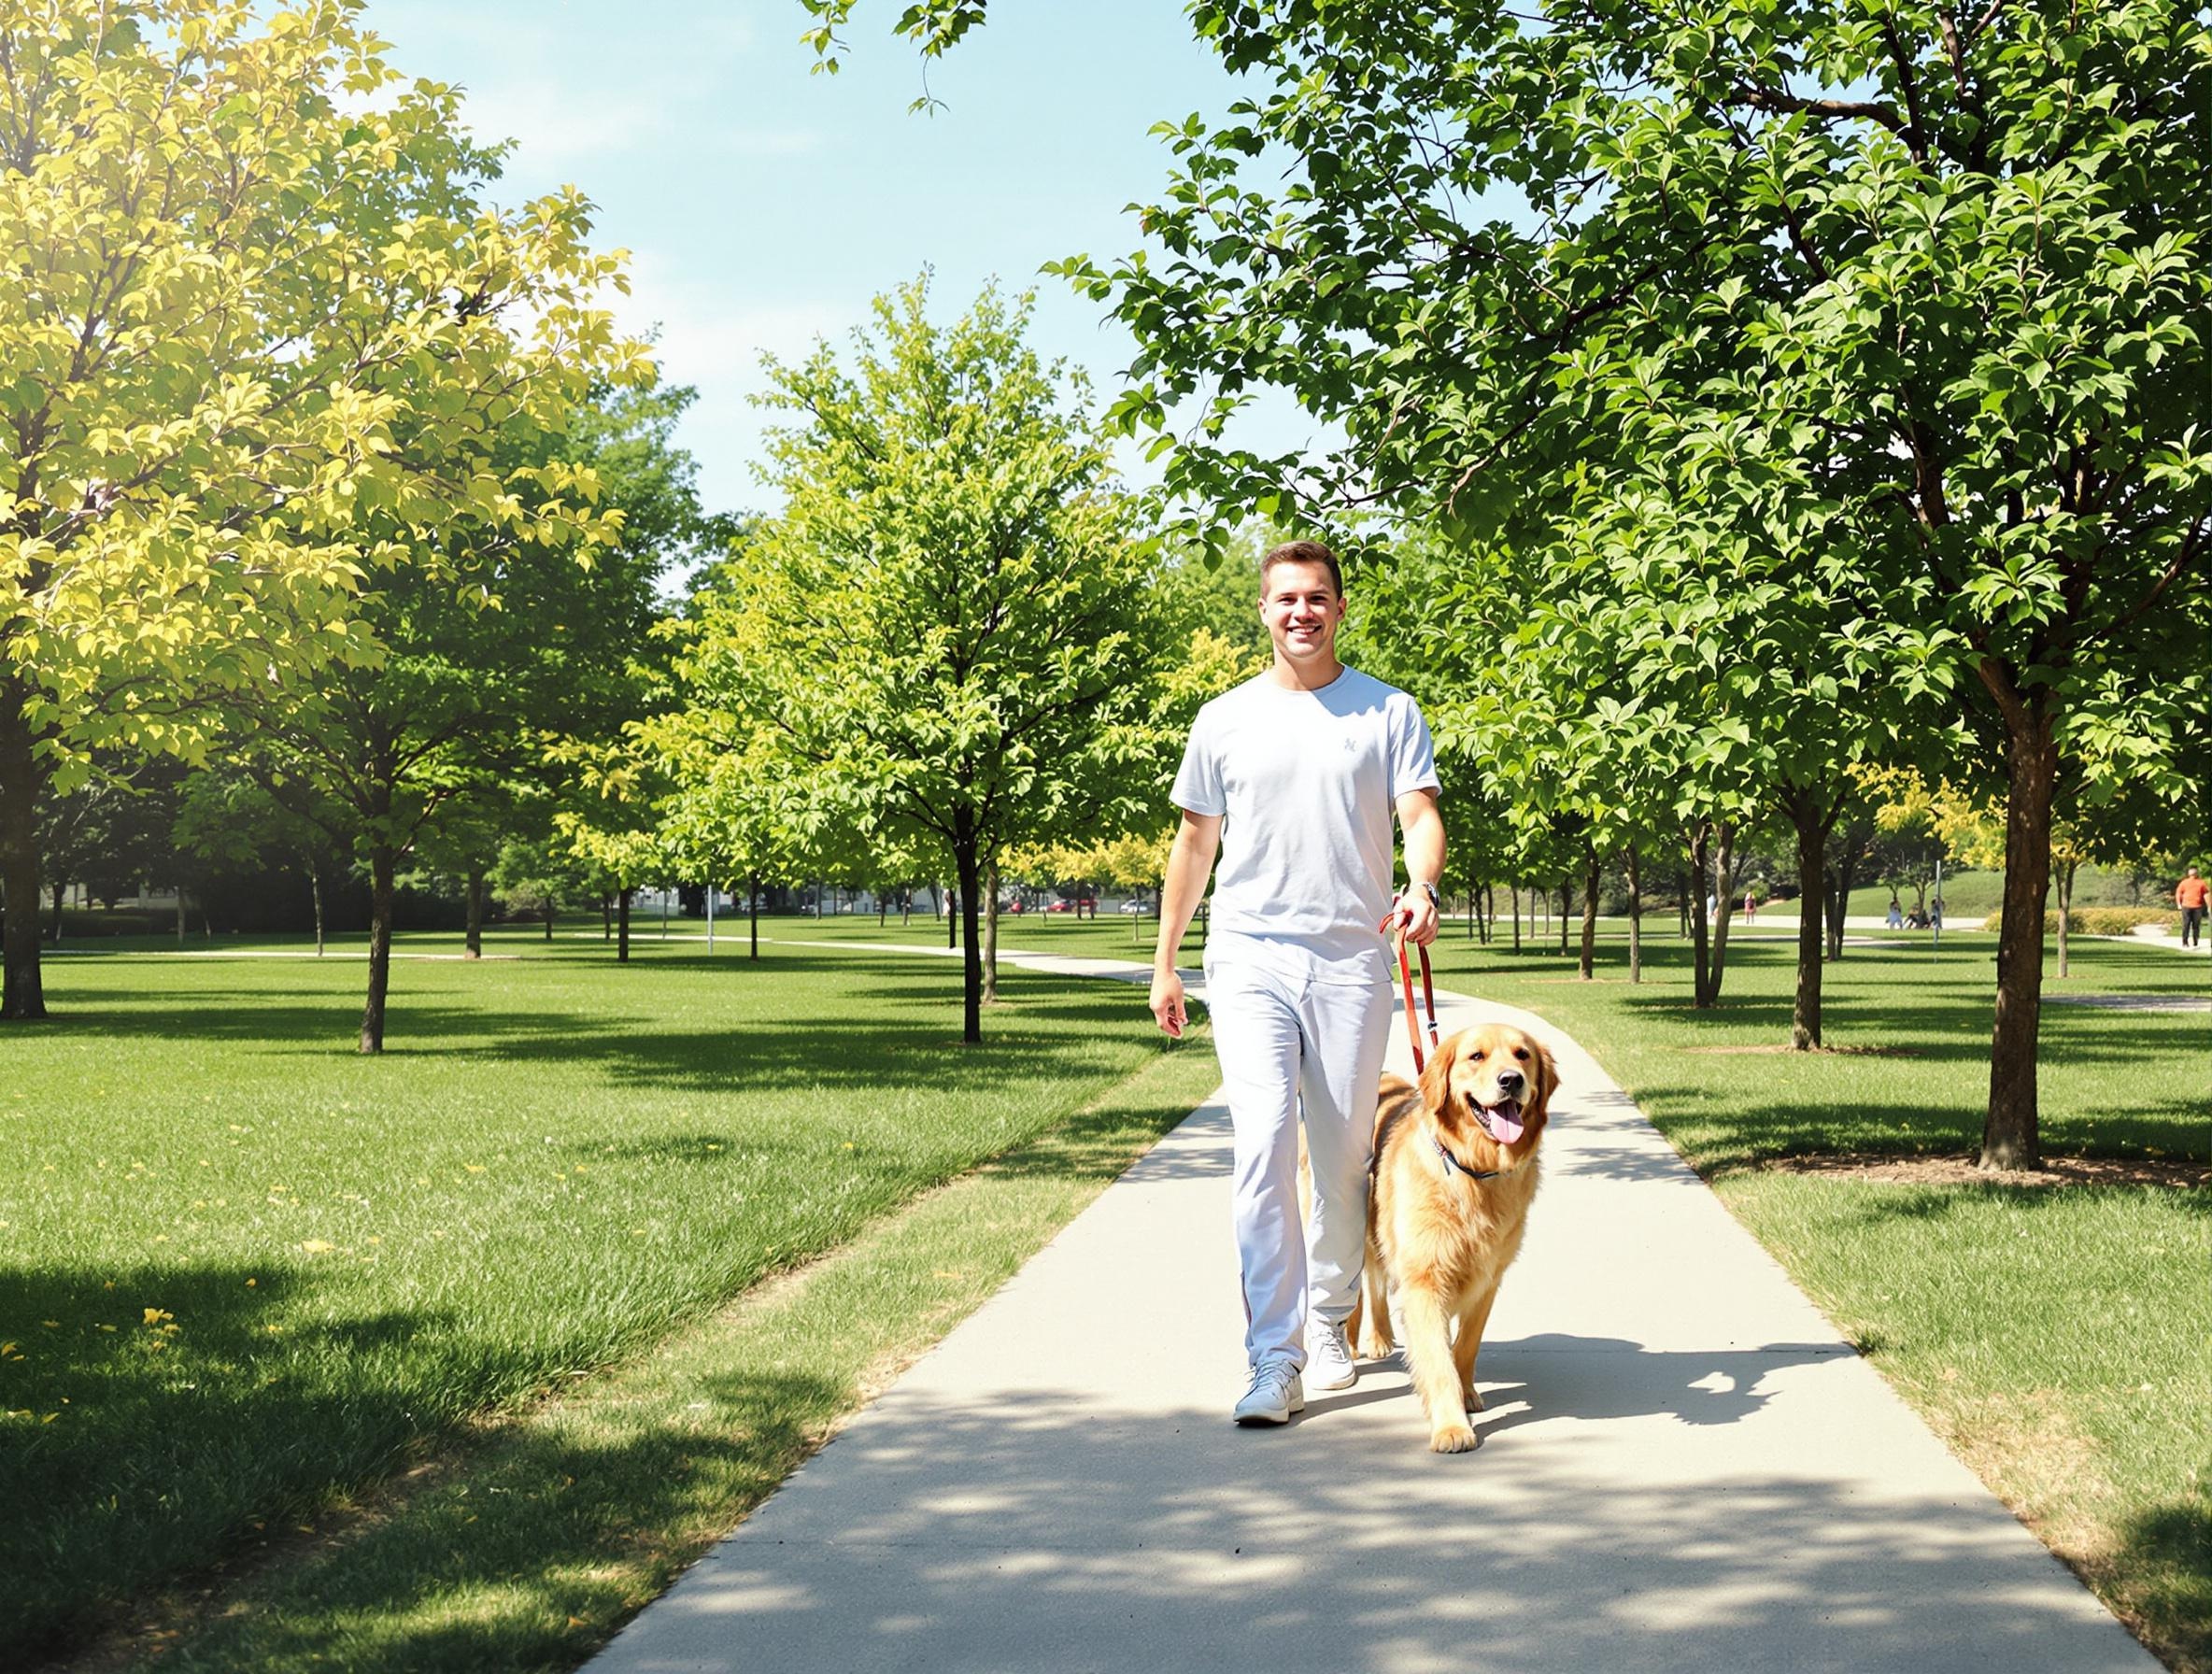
(1136, 906)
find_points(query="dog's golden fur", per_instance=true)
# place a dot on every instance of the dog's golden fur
(1438, 1240)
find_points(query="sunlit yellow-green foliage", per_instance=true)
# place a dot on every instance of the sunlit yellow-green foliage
(249, 296)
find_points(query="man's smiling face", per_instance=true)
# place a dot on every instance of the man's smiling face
(1302, 608)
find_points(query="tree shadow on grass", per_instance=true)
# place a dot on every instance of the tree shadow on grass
(1940, 1202)
(2166, 1554)
(170, 1434)
(514, 1555)
(1746, 1134)
(871, 1034)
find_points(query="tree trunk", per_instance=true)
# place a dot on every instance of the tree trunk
(1682, 906)
(1514, 891)
(315, 891)
(2011, 1136)
(753, 909)
(1723, 888)
(550, 912)
(1565, 906)
(1636, 915)
(606, 914)
(61, 890)
(474, 947)
(182, 905)
(2066, 883)
(990, 933)
(1591, 880)
(952, 912)
(1808, 816)
(622, 926)
(383, 863)
(969, 867)
(22, 782)
(1701, 982)
(1838, 899)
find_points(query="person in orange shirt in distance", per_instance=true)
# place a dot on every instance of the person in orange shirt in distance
(2189, 895)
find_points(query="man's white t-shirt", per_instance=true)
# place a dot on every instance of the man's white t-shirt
(1305, 783)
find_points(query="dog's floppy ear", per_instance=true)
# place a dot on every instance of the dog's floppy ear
(1436, 1080)
(1547, 1076)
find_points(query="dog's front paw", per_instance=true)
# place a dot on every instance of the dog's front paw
(1474, 1400)
(1375, 1345)
(1452, 1438)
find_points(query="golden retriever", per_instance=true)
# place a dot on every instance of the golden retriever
(1454, 1169)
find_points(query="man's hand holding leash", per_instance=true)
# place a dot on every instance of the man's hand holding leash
(1414, 913)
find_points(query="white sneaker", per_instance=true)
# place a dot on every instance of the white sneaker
(1328, 1356)
(1275, 1394)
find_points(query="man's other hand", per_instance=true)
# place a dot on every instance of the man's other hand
(1167, 1002)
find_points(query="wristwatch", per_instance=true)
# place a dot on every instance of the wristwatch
(1428, 890)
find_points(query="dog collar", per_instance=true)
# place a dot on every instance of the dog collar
(1444, 1151)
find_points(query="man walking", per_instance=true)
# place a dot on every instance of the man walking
(2189, 895)
(1292, 777)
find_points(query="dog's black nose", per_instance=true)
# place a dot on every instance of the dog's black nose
(1509, 1081)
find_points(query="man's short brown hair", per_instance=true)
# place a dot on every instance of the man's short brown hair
(1302, 552)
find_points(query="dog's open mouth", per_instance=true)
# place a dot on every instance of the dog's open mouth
(1501, 1121)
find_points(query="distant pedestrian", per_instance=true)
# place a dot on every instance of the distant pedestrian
(1935, 914)
(1896, 919)
(1751, 904)
(2189, 895)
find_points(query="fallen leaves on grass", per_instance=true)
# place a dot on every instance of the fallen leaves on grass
(1807, 1051)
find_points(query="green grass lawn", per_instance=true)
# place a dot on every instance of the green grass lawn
(293, 1290)
(245, 1271)
(2059, 1337)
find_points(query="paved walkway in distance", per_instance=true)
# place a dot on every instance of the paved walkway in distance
(1682, 1468)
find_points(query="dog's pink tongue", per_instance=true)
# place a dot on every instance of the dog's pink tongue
(1504, 1123)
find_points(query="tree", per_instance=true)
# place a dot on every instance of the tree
(484, 649)
(463, 838)
(1927, 278)
(254, 292)
(91, 832)
(232, 823)
(950, 620)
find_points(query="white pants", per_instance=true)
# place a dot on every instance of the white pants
(1289, 1049)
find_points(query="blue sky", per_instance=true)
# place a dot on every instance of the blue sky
(764, 205)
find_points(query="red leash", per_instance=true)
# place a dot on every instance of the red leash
(1428, 997)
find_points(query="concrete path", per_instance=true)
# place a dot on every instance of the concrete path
(1683, 1467)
